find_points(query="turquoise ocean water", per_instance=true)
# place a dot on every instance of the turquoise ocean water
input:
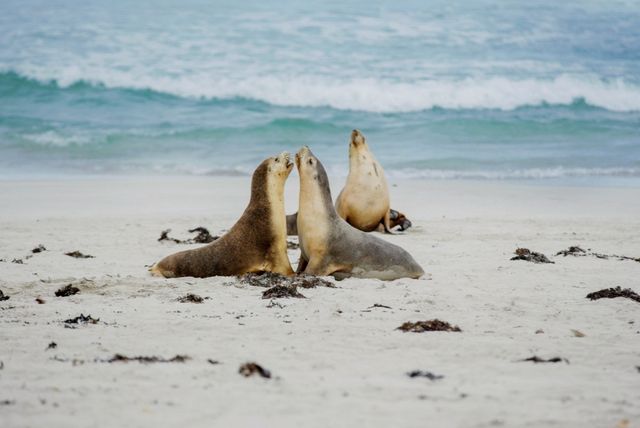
(485, 89)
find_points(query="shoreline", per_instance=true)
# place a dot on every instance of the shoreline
(612, 181)
(227, 196)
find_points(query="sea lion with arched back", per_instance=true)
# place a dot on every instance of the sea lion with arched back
(329, 245)
(364, 201)
(256, 243)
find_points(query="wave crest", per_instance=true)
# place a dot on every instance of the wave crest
(366, 94)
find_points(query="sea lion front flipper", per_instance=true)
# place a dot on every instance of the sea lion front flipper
(159, 272)
(283, 267)
(319, 266)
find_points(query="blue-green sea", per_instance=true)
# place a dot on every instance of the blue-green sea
(542, 90)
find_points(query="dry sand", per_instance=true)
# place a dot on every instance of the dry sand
(335, 360)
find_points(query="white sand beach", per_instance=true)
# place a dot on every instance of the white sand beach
(335, 359)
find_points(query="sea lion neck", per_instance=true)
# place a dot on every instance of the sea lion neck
(259, 188)
(317, 192)
(358, 156)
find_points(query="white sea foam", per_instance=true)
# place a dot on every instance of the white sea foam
(55, 139)
(367, 94)
(530, 173)
(340, 171)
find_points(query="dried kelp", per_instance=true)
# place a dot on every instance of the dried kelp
(430, 325)
(530, 256)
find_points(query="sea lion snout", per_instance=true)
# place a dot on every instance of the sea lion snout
(285, 158)
(282, 164)
(357, 138)
(302, 155)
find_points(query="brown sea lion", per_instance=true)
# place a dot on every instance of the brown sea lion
(256, 243)
(329, 245)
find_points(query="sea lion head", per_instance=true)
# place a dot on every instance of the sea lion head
(312, 173)
(270, 176)
(278, 169)
(358, 148)
(280, 166)
(357, 139)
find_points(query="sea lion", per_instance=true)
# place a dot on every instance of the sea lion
(256, 243)
(329, 245)
(364, 200)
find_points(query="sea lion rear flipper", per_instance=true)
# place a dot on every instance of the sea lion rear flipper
(398, 219)
(406, 224)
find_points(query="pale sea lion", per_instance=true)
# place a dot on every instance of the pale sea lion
(329, 245)
(256, 243)
(364, 200)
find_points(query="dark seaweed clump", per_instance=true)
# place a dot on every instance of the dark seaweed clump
(537, 359)
(610, 293)
(67, 290)
(119, 358)
(280, 291)
(203, 237)
(578, 252)
(266, 279)
(428, 375)
(78, 255)
(572, 251)
(40, 248)
(310, 281)
(430, 325)
(82, 319)
(190, 298)
(530, 256)
(378, 305)
(270, 279)
(250, 369)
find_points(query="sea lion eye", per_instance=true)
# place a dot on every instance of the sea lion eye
(310, 161)
(277, 160)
